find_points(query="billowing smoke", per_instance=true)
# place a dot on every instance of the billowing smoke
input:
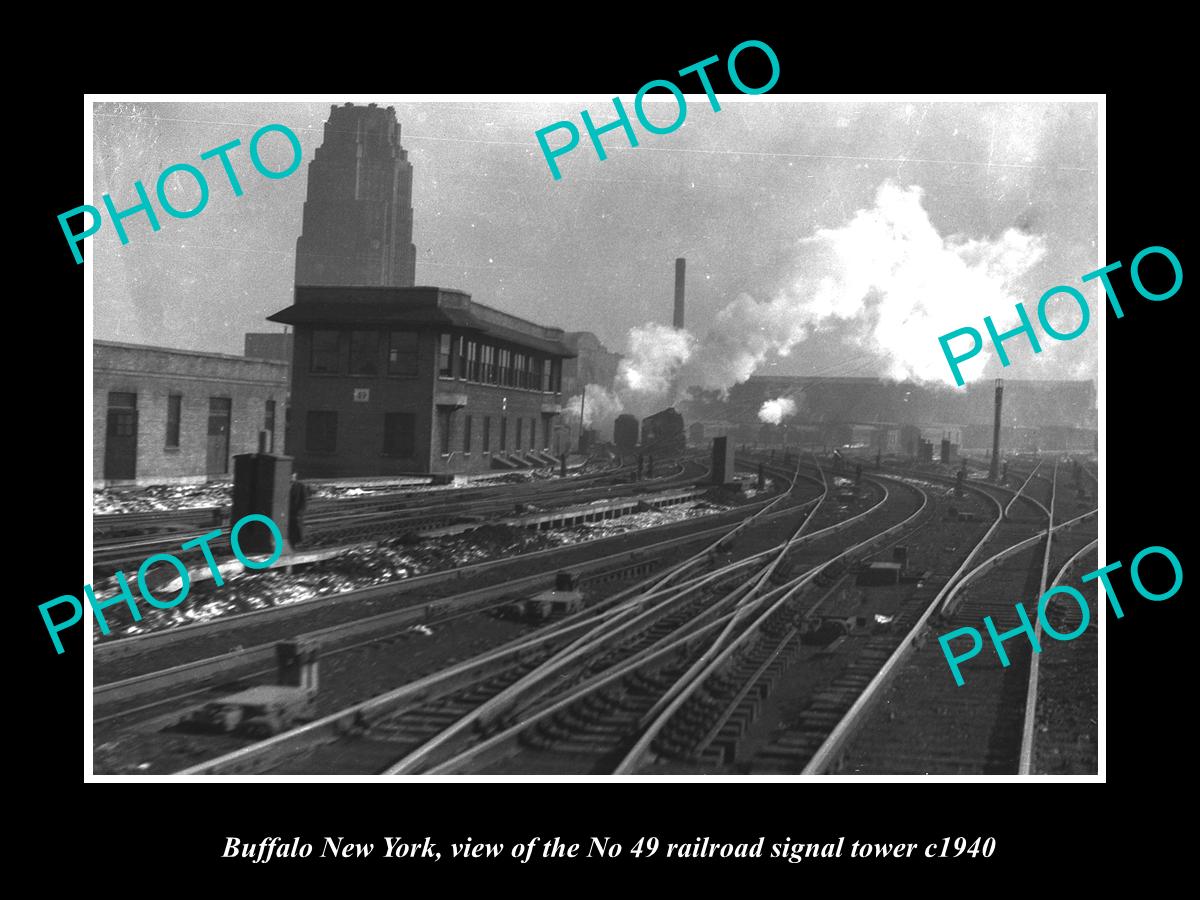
(656, 352)
(775, 411)
(886, 283)
(600, 408)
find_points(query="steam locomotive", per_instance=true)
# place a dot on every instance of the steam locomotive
(663, 434)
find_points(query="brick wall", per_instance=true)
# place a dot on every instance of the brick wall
(154, 373)
(360, 423)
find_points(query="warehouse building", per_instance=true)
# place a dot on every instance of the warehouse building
(390, 381)
(161, 415)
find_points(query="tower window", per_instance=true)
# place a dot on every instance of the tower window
(402, 353)
(364, 353)
(325, 352)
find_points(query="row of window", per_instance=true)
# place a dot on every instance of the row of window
(220, 410)
(364, 352)
(483, 363)
(458, 357)
(399, 429)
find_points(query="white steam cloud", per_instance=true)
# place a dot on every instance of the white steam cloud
(775, 411)
(600, 408)
(887, 282)
(656, 353)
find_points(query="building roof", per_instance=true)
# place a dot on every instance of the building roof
(150, 348)
(417, 307)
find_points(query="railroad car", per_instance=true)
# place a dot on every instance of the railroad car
(625, 434)
(663, 434)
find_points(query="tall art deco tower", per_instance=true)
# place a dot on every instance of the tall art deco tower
(358, 217)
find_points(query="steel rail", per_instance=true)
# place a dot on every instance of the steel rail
(141, 643)
(507, 700)
(1027, 717)
(1027, 732)
(944, 602)
(687, 685)
(527, 687)
(494, 743)
(1021, 490)
(437, 684)
(385, 623)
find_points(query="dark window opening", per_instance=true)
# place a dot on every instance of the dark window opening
(503, 434)
(444, 422)
(364, 353)
(444, 362)
(325, 352)
(489, 364)
(399, 438)
(487, 433)
(472, 361)
(174, 411)
(506, 376)
(520, 422)
(466, 434)
(402, 353)
(321, 434)
(269, 425)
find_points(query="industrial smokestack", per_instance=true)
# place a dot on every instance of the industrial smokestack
(680, 265)
(994, 472)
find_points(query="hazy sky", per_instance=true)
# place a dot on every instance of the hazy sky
(737, 192)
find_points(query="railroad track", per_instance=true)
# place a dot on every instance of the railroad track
(643, 629)
(224, 632)
(658, 594)
(110, 525)
(612, 720)
(670, 675)
(375, 518)
(1060, 735)
(162, 688)
(910, 717)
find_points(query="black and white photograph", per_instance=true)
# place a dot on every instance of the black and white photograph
(509, 437)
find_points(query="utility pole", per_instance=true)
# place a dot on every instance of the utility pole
(582, 398)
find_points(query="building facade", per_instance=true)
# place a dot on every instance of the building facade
(358, 216)
(593, 364)
(389, 381)
(161, 415)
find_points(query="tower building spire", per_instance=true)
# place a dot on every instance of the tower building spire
(358, 216)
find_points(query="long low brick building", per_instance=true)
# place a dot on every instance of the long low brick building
(161, 415)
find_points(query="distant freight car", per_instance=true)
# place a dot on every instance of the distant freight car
(663, 434)
(625, 434)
